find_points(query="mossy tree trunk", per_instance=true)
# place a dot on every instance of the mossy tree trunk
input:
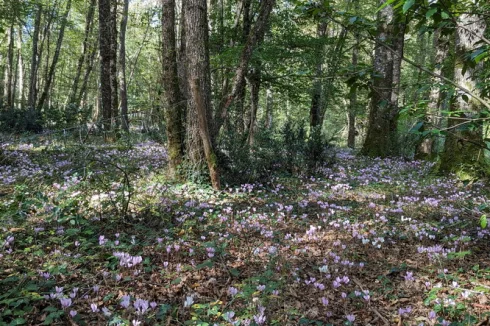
(464, 147)
(381, 138)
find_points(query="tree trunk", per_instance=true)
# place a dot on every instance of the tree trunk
(88, 70)
(2, 83)
(174, 103)
(269, 109)
(197, 54)
(21, 97)
(316, 94)
(50, 76)
(105, 62)
(10, 69)
(351, 115)
(427, 149)
(463, 149)
(211, 159)
(123, 94)
(381, 138)
(115, 121)
(256, 34)
(85, 52)
(32, 97)
(255, 81)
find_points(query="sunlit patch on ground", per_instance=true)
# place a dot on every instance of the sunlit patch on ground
(98, 235)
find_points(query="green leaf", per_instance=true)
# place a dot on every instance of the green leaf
(483, 221)
(18, 321)
(176, 281)
(444, 15)
(207, 263)
(408, 4)
(387, 3)
(430, 13)
(417, 127)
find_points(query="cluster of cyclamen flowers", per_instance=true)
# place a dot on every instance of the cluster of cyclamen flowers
(126, 260)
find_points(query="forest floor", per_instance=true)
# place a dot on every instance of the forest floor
(98, 236)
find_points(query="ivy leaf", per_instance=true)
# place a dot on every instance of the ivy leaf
(408, 4)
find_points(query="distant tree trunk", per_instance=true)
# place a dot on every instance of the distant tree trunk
(241, 90)
(351, 114)
(381, 138)
(85, 52)
(21, 97)
(123, 94)
(463, 149)
(239, 80)
(88, 70)
(197, 54)
(269, 109)
(2, 82)
(32, 97)
(255, 81)
(427, 149)
(317, 90)
(52, 68)
(10, 68)
(174, 105)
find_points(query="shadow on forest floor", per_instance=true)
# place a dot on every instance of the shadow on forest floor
(364, 242)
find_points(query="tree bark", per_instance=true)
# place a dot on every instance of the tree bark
(174, 104)
(50, 76)
(351, 114)
(381, 138)
(211, 159)
(10, 68)
(115, 121)
(105, 62)
(269, 109)
(32, 97)
(317, 90)
(123, 94)
(197, 54)
(255, 82)
(463, 148)
(21, 96)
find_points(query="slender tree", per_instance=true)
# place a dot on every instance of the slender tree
(255, 34)
(105, 62)
(10, 69)
(52, 67)
(82, 60)
(123, 92)
(32, 97)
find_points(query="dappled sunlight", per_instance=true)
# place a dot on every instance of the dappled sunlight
(365, 241)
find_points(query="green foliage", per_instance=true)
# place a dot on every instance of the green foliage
(21, 120)
(288, 150)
